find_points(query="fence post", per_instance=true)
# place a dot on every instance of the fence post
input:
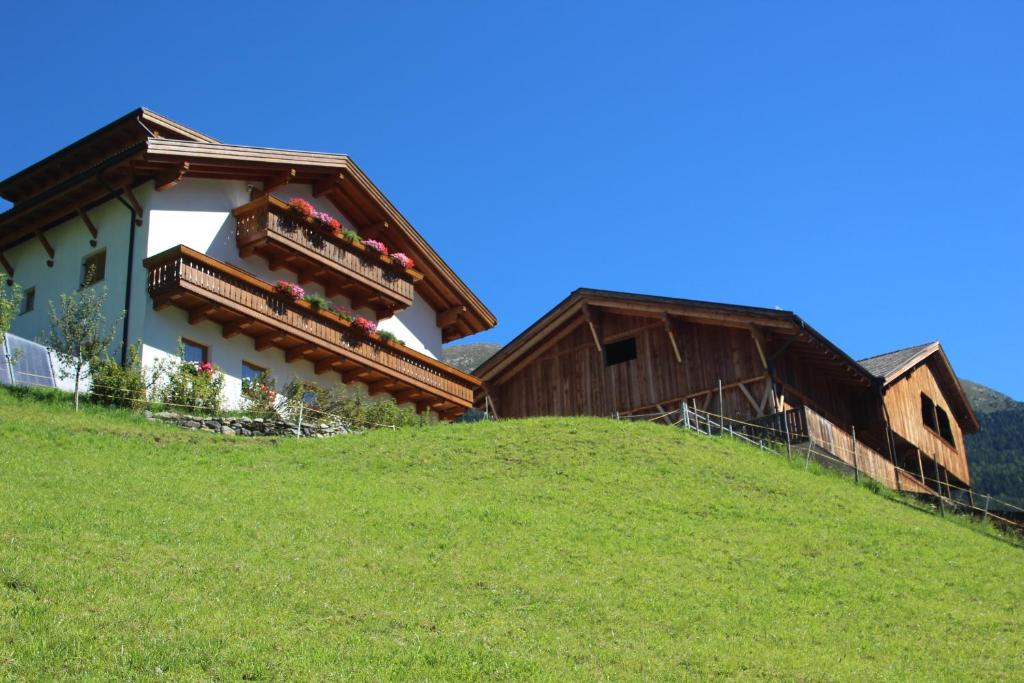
(938, 488)
(721, 406)
(298, 431)
(856, 468)
(785, 425)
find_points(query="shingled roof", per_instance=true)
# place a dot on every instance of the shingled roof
(885, 364)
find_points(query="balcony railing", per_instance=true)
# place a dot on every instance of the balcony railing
(272, 229)
(242, 304)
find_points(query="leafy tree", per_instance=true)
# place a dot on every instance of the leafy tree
(77, 331)
(10, 299)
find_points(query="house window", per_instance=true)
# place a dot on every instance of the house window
(928, 413)
(94, 267)
(251, 371)
(619, 352)
(945, 431)
(28, 301)
(193, 352)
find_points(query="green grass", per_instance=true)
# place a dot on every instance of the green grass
(547, 549)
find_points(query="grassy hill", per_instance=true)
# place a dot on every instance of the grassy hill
(468, 357)
(550, 548)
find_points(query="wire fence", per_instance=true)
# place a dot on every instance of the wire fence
(286, 409)
(783, 440)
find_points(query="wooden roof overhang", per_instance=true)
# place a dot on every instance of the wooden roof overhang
(211, 290)
(784, 331)
(936, 357)
(124, 155)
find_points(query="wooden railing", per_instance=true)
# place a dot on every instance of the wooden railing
(320, 255)
(184, 270)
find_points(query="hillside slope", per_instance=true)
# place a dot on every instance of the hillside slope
(549, 548)
(996, 453)
(468, 357)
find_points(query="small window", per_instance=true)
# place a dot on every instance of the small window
(94, 267)
(928, 413)
(28, 300)
(945, 430)
(620, 352)
(194, 352)
(251, 371)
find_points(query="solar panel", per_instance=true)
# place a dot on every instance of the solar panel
(32, 365)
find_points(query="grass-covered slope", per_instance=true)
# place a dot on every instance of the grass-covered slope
(545, 548)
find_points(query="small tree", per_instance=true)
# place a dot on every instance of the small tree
(77, 333)
(10, 300)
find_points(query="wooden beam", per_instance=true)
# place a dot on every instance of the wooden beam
(47, 246)
(380, 387)
(232, 329)
(89, 226)
(672, 336)
(753, 403)
(130, 197)
(267, 340)
(589, 317)
(448, 317)
(325, 364)
(170, 177)
(327, 183)
(279, 180)
(406, 396)
(297, 352)
(7, 265)
(379, 226)
(356, 375)
(198, 315)
(759, 343)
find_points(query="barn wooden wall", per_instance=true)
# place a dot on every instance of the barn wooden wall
(903, 401)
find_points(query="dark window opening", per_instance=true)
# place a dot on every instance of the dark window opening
(251, 371)
(620, 352)
(28, 300)
(928, 413)
(193, 352)
(94, 267)
(945, 431)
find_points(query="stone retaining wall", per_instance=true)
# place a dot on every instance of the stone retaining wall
(248, 426)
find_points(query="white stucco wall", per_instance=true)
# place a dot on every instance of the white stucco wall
(196, 213)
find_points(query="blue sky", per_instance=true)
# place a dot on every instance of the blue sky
(858, 163)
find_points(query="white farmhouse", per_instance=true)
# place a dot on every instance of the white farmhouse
(190, 236)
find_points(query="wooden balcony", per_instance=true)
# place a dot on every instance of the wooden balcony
(242, 304)
(272, 229)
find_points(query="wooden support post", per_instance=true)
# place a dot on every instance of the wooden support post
(89, 226)
(938, 487)
(8, 267)
(171, 177)
(589, 317)
(671, 336)
(130, 197)
(920, 467)
(721, 404)
(856, 467)
(279, 180)
(327, 183)
(48, 247)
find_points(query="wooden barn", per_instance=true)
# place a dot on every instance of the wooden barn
(611, 353)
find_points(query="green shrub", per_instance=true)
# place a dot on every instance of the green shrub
(189, 387)
(318, 301)
(115, 385)
(259, 396)
(351, 405)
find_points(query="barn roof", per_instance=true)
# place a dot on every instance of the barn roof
(884, 364)
(891, 367)
(829, 357)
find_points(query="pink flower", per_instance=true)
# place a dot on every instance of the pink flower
(205, 368)
(402, 260)
(376, 246)
(365, 325)
(302, 206)
(289, 289)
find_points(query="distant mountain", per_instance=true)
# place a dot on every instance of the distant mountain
(996, 453)
(986, 400)
(468, 357)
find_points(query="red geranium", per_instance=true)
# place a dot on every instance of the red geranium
(302, 206)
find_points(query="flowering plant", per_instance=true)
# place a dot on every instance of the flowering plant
(342, 313)
(402, 260)
(302, 206)
(259, 395)
(332, 223)
(365, 325)
(376, 246)
(289, 289)
(205, 368)
(351, 236)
